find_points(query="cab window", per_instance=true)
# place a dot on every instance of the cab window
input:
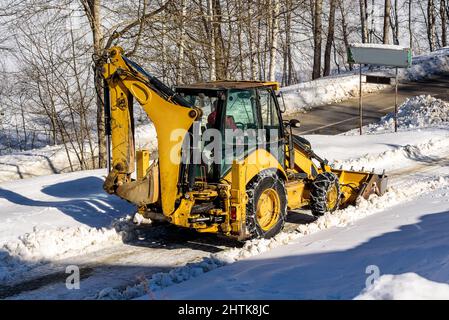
(241, 110)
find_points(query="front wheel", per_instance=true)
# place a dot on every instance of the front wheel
(267, 206)
(325, 194)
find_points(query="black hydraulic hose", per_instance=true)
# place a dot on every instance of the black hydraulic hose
(107, 108)
(158, 84)
(107, 121)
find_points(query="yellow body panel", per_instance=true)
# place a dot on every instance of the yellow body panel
(297, 195)
(143, 163)
(256, 162)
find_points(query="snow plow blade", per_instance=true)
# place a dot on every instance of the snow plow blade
(355, 184)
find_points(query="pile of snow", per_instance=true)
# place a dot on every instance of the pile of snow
(417, 112)
(407, 286)
(40, 246)
(427, 65)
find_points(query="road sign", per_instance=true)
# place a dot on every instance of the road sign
(380, 54)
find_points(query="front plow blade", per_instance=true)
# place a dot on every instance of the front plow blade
(355, 184)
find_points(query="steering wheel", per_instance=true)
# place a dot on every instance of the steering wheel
(240, 125)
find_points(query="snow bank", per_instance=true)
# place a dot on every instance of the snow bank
(37, 162)
(40, 246)
(407, 286)
(417, 112)
(396, 158)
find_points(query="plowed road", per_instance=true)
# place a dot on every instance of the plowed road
(344, 116)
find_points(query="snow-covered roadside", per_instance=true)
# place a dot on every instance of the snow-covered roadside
(304, 96)
(77, 203)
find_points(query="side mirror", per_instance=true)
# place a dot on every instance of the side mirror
(294, 123)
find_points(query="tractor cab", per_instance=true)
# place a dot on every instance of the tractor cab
(238, 117)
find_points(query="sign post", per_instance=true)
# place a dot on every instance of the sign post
(381, 55)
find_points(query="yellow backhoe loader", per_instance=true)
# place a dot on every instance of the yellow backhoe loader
(226, 163)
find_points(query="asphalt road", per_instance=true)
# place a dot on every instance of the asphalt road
(344, 116)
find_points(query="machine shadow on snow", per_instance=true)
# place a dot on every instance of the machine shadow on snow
(88, 203)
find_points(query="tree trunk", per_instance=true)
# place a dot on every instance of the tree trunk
(97, 35)
(274, 40)
(180, 59)
(317, 38)
(218, 41)
(443, 15)
(251, 43)
(386, 34)
(212, 54)
(410, 27)
(344, 27)
(431, 24)
(363, 19)
(396, 23)
(330, 39)
(372, 30)
(288, 44)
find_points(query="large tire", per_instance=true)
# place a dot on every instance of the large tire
(266, 209)
(325, 194)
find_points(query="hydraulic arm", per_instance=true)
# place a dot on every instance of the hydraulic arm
(126, 81)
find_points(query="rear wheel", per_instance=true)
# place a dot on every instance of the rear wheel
(267, 206)
(325, 194)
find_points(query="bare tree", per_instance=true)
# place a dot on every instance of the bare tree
(363, 19)
(443, 16)
(330, 39)
(386, 32)
(431, 32)
(317, 38)
(274, 37)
